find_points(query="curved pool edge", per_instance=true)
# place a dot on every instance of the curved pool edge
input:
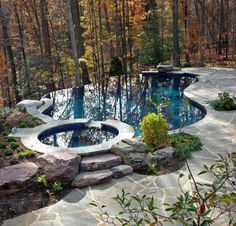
(31, 139)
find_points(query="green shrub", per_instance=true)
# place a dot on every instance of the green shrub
(42, 179)
(224, 103)
(2, 146)
(11, 139)
(13, 160)
(57, 186)
(26, 154)
(187, 64)
(32, 123)
(18, 150)
(152, 168)
(184, 144)
(154, 128)
(8, 153)
(14, 145)
(6, 132)
(21, 124)
(116, 67)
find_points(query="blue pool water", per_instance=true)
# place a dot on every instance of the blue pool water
(129, 103)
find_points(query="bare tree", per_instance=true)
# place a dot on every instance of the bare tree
(176, 49)
(73, 43)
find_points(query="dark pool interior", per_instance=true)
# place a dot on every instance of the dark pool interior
(77, 135)
(127, 100)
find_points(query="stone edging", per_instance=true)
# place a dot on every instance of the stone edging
(29, 136)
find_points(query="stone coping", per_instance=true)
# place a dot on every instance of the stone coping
(29, 136)
(39, 112)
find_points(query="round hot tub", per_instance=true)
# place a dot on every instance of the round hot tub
(82, 136)
(78, 135)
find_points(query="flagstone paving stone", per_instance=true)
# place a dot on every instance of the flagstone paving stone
(217, 131)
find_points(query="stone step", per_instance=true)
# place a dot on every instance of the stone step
(100, 162)
(92, 178)
(121, 171)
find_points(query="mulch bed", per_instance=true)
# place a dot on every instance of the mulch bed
(165, 167)
(28, 200)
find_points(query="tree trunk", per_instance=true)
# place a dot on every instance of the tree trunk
(46, 40)
(176, 50)
(221, 26)
(77, 27)
(45, 29)
(22, 46)
(7, 42)
(234, 35)
(73, 43)
(202, 31)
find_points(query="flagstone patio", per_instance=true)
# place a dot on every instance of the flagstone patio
(217, 132)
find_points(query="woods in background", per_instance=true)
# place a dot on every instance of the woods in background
(51, 44)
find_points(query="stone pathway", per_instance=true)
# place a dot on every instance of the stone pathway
(217, 132)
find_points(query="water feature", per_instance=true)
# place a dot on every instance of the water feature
(130, 103)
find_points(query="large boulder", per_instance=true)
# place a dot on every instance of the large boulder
(164, 153)
(132, 151)
(59, 165)
(17, 177)
(92, 178)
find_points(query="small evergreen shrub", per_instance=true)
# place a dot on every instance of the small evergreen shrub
(184, 144)
(26, 154)
(31, 123)
(2, 146)
(18, 150)
(152, 168)
(154, 128)
(13, 160)
(224, 103)
(57, 186)
(21, 124)
(8, 153)
(42, 180)
(14, 145)
(11, 139)
(116, 67)
(6, 132)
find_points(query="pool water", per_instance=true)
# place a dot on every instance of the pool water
(76, 137)
(130, 103)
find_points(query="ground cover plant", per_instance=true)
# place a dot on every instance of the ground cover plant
(204, 205)
(225, 102)
(184, 144)
(11, 149)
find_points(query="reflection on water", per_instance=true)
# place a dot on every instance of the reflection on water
(80, 137)
(128, 103)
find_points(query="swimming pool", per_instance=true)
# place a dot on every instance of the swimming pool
(130, 103)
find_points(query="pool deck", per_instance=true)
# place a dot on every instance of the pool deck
(217, 132)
